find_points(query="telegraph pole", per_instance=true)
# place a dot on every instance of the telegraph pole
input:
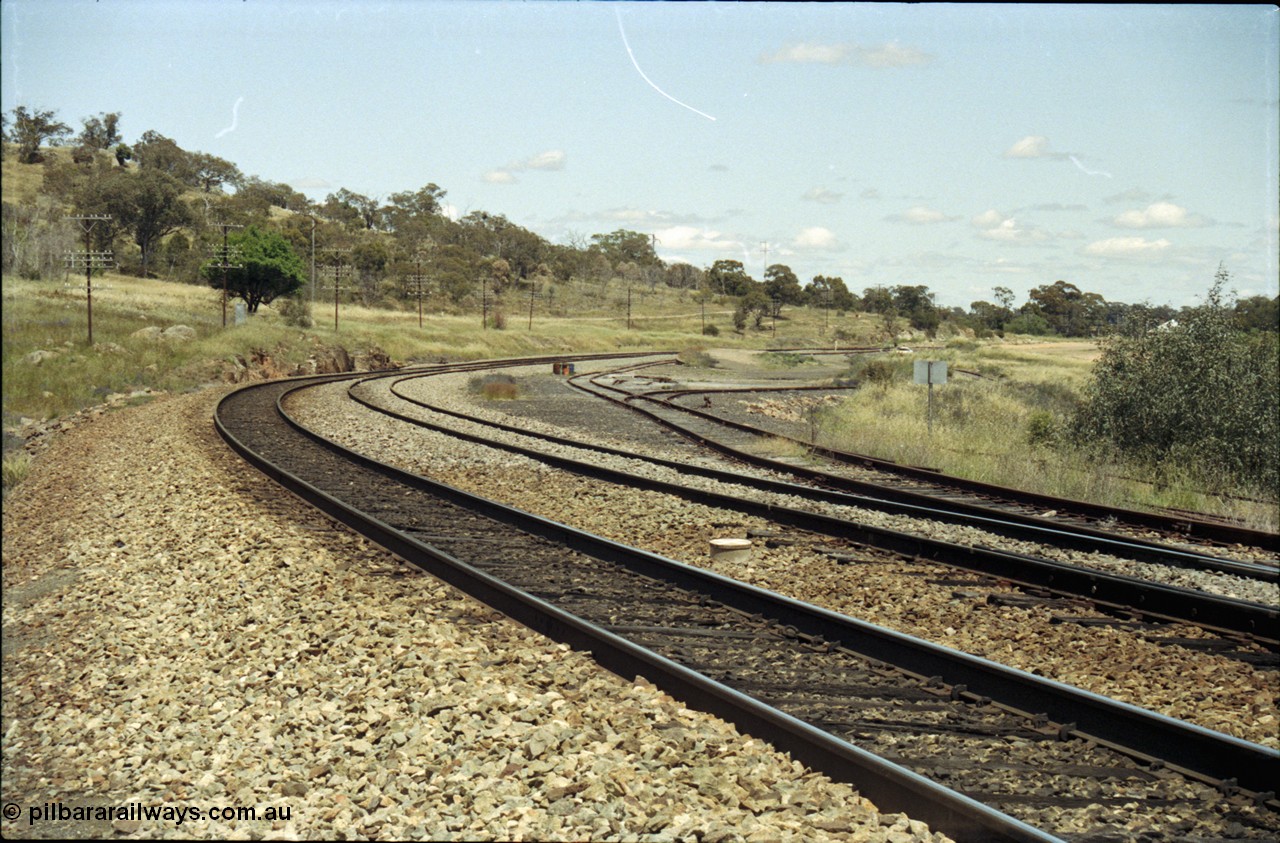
(224, 263)
(314, 222)
(533, 293)
(418, 279)
(765, 247)
(90, 260)
(337, 266)
(484, 302)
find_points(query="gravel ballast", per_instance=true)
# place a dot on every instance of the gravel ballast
(1211, 690)
(178, 632)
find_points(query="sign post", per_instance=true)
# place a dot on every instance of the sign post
(930, 372)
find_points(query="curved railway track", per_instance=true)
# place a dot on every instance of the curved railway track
(1128, 595)
(835, 692)
(895, 482)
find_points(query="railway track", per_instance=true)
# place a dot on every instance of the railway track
(792, 505)
(825, 687)
(893, 482)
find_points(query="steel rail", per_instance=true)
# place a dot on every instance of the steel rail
(1116, 592)
(1268, 541)
(1189, 526)
(1200, 752)
(1054, 534)
(889, 785)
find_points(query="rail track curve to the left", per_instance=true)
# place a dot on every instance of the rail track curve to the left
(891, 714)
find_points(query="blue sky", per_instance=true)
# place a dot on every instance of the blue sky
(1126, 149)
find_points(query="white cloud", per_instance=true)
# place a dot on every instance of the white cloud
(892, 55)
(816, 237)
(1032, 146)
(309, 183)
(1009, 232)
(552, 159)
(994, 225)
(988, 219)
(821, 194)
(802, 53)
(693, 238)
(1159, 215)
(884, 55)
(920, 215)
(1127, 247)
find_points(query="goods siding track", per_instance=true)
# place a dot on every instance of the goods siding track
(1029, 758)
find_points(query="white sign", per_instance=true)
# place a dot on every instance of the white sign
(931, 372)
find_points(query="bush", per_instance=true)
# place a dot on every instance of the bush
(296, 312)
(711, 331)
(697, 357)
(15, 470)
(878, 372)
(1201, 392)
(496, 387)
(1042, 428)
(1028, 323)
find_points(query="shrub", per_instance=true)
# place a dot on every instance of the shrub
(1201, 392)
(881, 373)
(711, 331)
(296, 311)
(15, 469)
(1042, 428)
(496, 387)
(500, 391)
(697, 357)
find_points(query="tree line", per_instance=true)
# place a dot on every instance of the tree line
(168, 205)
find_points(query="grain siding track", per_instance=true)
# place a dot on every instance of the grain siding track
(581, 588)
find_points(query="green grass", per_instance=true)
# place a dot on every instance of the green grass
(1000, 429)
(51, 316)
(14, 470)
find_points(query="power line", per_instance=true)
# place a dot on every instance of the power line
(418, 279)
(225, 262)
(90, 260)
(337, 268)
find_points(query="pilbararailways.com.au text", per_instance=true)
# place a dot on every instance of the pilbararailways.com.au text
(136, 811)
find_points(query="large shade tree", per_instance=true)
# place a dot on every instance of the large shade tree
(147, 205)
(269, 268)
(1199, 396)
(33, 129)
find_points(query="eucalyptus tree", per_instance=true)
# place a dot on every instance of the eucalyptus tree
(34, 129)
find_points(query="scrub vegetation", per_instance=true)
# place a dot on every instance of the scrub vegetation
(1049, 418)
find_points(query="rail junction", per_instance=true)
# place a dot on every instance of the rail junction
(976, 749)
